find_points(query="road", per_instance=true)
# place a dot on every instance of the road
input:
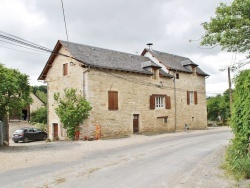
(170, 160)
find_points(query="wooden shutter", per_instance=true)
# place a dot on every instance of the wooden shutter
(168, 102)
(152, 102)
(113, 100)
(65, 69)
(177, 75)
(195, 97)
(188, 97)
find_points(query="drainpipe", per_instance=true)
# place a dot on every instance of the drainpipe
(175, 117)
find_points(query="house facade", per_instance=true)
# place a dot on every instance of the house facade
(128, 93)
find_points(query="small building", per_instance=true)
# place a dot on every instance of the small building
(154, 92)
(26, 112)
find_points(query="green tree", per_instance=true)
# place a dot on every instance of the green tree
(238, 155)
(230, 28)
(14, 94)
(40, 92)
(39, 116)
(218, 105)
(72, 110)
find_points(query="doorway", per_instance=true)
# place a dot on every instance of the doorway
(55, 131)
(135, 123)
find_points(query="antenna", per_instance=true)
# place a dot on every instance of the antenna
(149, 45)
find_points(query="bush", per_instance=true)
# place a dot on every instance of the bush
(238, 154)
(41, 126)
(237, 163)
(39, 116)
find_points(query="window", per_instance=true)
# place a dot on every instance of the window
(192, 97)
(159, 101)
(113, 100)
(154, 73)
(65, 69)
(177, 76)
(194, 70)
(165, 119)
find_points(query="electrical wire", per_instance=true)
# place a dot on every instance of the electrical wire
(21, 47)
(65, 21)
(21, 50)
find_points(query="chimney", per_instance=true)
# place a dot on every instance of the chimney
(149, 46)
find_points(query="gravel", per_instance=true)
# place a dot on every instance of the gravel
(24, 155)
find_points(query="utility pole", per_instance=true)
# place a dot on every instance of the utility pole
(230, 89)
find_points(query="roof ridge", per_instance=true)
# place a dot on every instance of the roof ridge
(101, 48)
(168, 53)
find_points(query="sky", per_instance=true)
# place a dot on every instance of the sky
(121, 25)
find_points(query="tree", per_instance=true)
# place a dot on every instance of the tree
(14, 93)
(72, 110)
(40, 115)
(230, 28)
(238, 155)
(218, 105)
(40, 92)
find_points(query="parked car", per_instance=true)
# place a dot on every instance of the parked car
(26, 134)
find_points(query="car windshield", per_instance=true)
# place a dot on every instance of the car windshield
(18, 131)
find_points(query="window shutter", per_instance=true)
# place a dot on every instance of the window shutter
(65, 69)
(177, 75)
(115, 96)
(188, 97)
(168, 102)
(113, 100)
(152, 102)
(195, 98)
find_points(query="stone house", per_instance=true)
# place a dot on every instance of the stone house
(154, 92)
(26, 112)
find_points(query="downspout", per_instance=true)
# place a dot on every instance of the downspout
(175, 119)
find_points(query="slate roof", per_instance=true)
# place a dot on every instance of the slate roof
(104, 58)
(175, 62)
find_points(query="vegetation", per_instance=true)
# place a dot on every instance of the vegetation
(230, 28)
(39, 116)
(72, 110)
(219, 106)
(40, 92)
(238, 155)
(14, 91)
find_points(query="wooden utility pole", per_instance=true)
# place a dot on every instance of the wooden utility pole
(230, 89)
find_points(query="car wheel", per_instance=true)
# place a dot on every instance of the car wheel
(44, 137)
(25, 140)
(15, 141)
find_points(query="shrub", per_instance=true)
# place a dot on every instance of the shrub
(238, 154)
(39, 116)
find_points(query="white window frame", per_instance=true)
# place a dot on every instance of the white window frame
(159, 102)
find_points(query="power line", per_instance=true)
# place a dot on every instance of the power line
(19, 46)
(65, 22)
(21, 50)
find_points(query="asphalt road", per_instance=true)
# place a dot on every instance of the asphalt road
(178, 160)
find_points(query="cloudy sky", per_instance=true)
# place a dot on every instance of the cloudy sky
(122, 25)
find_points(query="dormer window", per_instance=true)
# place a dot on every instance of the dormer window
(194, 70)
(155, 73)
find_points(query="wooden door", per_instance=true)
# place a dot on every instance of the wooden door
(55, 131)
(135, 123)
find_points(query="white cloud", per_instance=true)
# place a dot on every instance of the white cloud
(120, 25)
